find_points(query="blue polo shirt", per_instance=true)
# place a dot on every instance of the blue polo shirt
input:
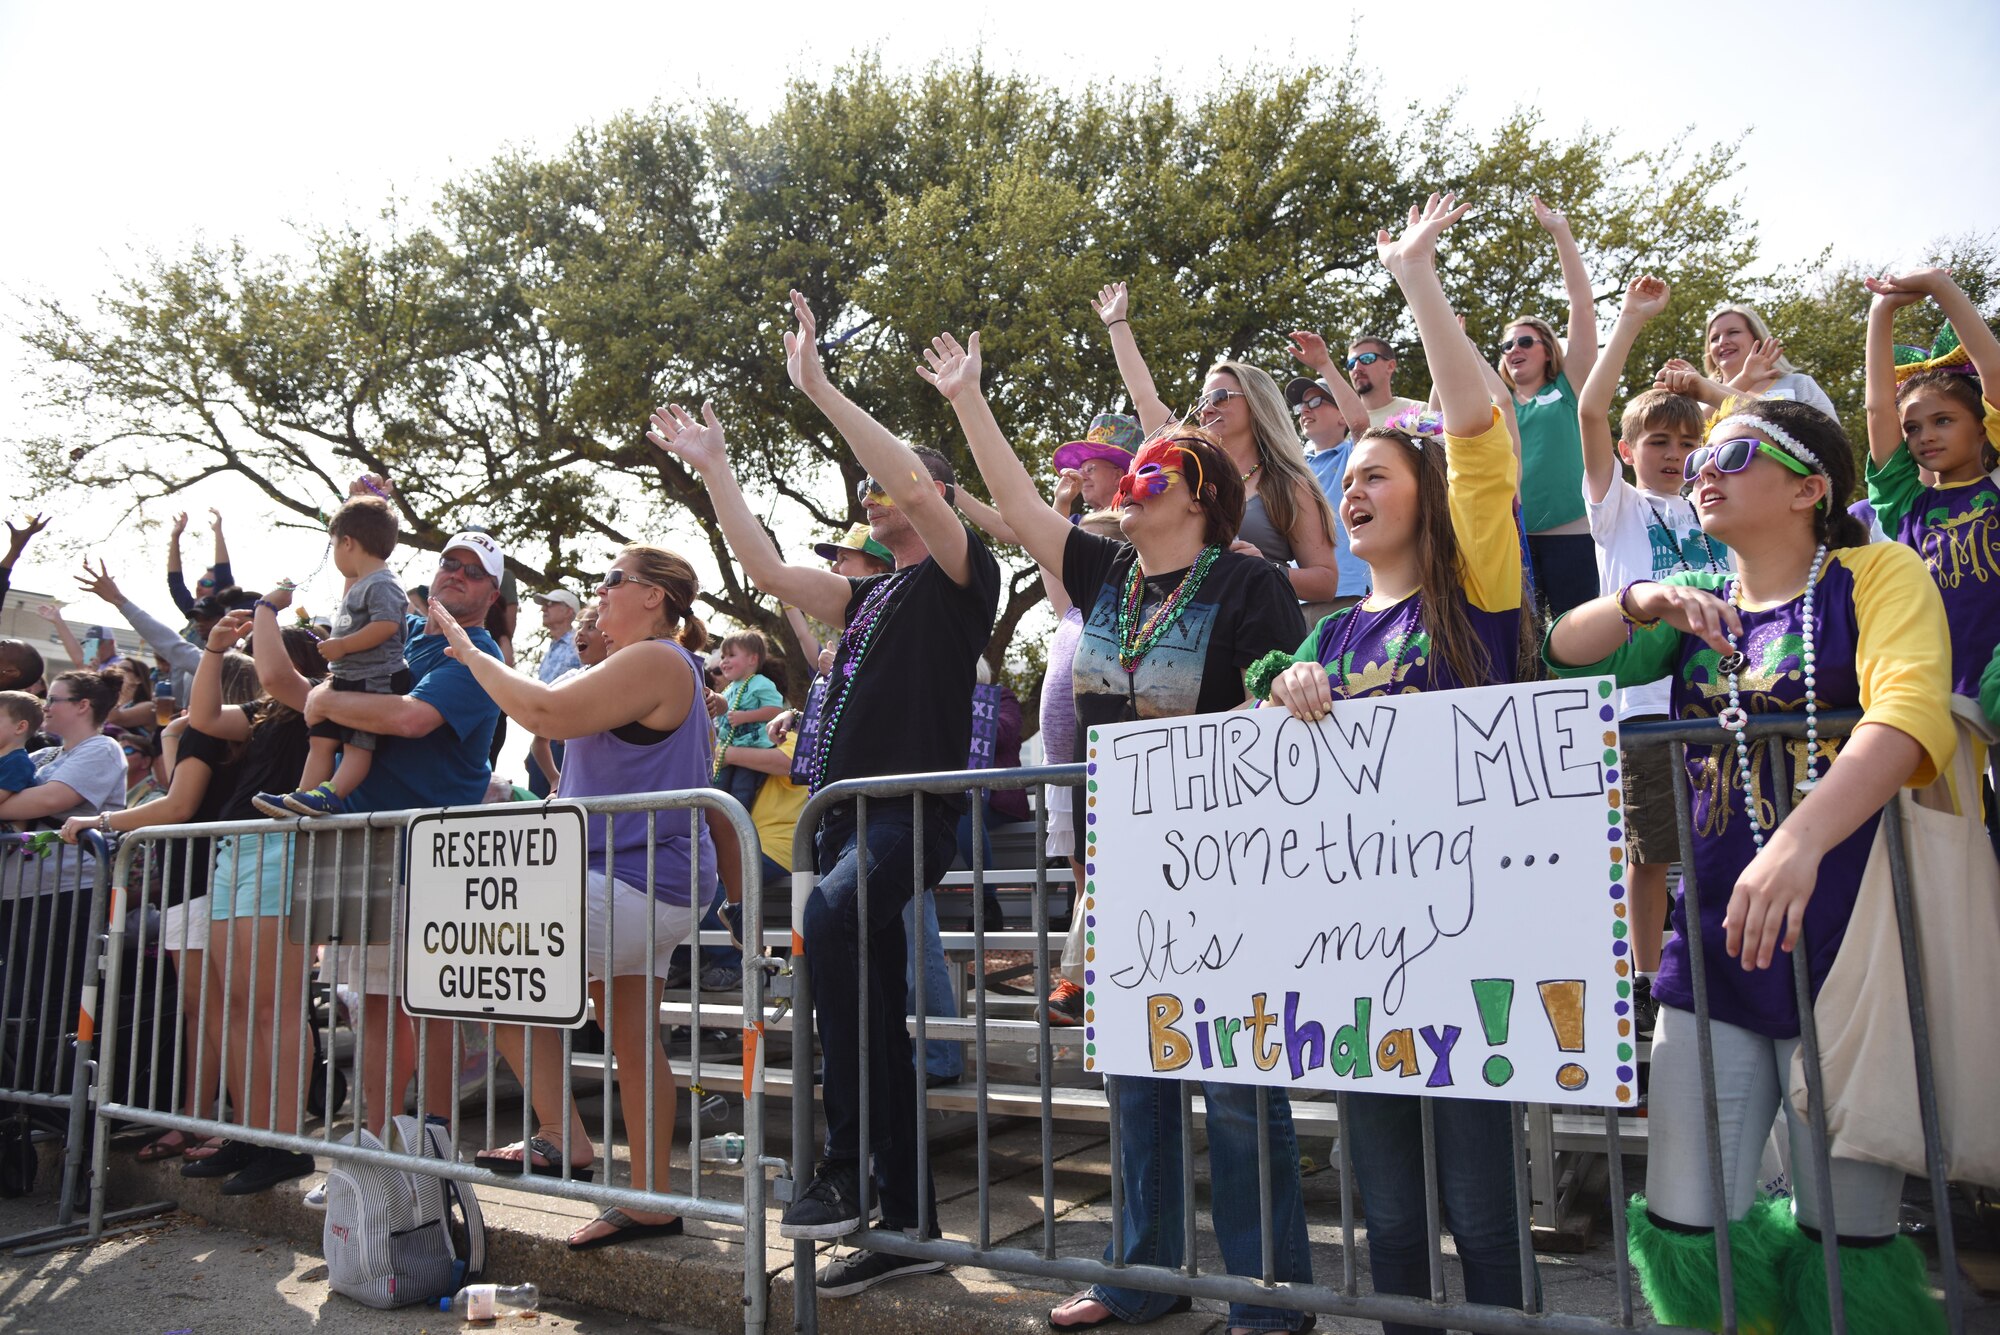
(1327, 466)
(448, 767)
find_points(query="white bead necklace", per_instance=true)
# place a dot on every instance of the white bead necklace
(1737, 720)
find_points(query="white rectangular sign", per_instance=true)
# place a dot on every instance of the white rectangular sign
(494, 927)
(1420, 894)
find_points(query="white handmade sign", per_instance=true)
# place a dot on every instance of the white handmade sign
(1420, 894)
(494, 926)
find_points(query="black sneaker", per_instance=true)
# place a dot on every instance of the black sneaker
(267, 1170)
(848, 1275)
(1645, 1010)
(828, 1208)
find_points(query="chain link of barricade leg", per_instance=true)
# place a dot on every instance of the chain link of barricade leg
(1572, 1137)
(325, 904)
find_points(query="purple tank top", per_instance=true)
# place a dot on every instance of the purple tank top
(602, 765)
(1059, 700)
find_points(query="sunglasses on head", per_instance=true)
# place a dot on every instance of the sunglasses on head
(1365, 359)
(1214, 399)
(1313, 401)
(1733, 456)
(472, 570)
(613, 578)
(1519, 341)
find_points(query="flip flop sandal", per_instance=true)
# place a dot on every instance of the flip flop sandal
(205, 1149)
(166, 1145)
(534, 1148)
(225, 1162)
(626, 1229)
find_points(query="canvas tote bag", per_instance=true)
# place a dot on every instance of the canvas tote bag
(1862, 1011)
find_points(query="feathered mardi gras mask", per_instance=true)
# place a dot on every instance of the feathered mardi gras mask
(1152, 472)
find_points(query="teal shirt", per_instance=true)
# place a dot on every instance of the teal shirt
(1551, 457)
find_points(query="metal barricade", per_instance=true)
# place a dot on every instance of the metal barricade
(1039, 1256)
(248, 1035)
(52, 898)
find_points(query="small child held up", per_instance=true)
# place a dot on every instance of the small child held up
(20, 719)
(754, 699)
(1643, 532)
(365, 653)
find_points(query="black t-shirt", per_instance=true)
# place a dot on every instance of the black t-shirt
(1243, 610)
(271, 761)
(909, 708)
(185, 874)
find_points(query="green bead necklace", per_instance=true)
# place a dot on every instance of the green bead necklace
(1135, 644)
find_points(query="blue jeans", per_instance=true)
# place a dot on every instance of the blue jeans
(1475, 1168)
(538, 782)
(833, 934)
(943, 1057)
(1149, 1166)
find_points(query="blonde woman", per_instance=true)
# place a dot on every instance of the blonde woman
(1734, 333)
(1286, 517)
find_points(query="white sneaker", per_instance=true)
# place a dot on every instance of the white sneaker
(316, 1198)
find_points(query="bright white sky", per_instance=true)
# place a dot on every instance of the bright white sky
(139, 127)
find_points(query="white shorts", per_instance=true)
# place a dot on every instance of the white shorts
(627, 910)
(185, 926)
(1062, 825)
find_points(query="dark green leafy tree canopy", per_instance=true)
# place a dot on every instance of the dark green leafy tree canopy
(498, 350)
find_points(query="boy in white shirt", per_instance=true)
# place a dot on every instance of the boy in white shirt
(1643, 532)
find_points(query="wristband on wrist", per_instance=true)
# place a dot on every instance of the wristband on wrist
(1120, 320)
(266, 602)
(1633, 623)
(208, 650)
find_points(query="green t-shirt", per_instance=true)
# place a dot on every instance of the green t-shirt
(1551, 458)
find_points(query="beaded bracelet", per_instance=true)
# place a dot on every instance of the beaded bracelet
(1633, 623)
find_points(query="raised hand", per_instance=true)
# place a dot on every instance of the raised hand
(458, 644)
(49, 612)
(802, 363)
(1418, 243)
(1311, 349)
(368, 484)
(1760, 369)
(1069, 486)
(1552, 220)
(950, 368)
(1645, 297)
(1111, 303)
(98, 583)
(229, 631)
(675, 430)
(280, 596)
(1676, 376)
(1926, 282)
(180, 525)
(1892, 293)
(17, 537)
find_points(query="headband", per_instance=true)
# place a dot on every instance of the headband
(1945, 353)
(1778, 435)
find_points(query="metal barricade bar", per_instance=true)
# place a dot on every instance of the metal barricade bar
(1347, 1299)
(275, 1115)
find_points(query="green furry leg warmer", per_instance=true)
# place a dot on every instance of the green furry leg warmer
(1677, 1270)
(1883, 1288)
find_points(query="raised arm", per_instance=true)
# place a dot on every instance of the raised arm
(808, 642)
(820, 593)
(166, 641)
(1973, 331)
(1311, 349)
(1580, 348)
(953, 370)
(1645, 298)
(52, 614)
(205, 708)
(177, 588)
(894, 465)
(1679, 377)
(990, 520)
(281, 680)
(1113, 305)
(1885, 423)
(221, 561)
(1412, 261)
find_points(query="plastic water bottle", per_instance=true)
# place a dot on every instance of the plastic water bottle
(489, 1302)
(725, 1148)
(714, 1108)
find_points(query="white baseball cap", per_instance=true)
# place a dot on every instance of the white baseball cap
(563, 596)
(489, 552)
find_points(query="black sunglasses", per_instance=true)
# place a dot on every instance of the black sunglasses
(1520, 341)
(1310, 401)
(470, 569)
(1366, 359)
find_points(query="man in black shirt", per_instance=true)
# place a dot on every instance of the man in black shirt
(899, 702)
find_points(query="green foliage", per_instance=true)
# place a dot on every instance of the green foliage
(498, 353)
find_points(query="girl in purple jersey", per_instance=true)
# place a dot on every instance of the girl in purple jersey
(1429, 506)
(1812, 617)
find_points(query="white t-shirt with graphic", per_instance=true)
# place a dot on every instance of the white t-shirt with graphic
(1644, 535)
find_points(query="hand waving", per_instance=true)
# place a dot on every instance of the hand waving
(458, 644)
(17, 537)
(1645, 297)
(180, 525)
(1760, 369)
(1552, 220)
(230, 630)
(674, 430)
(1112, 303)
(802, 361)
(1418, 243)
(99, 583)
(1311, 349)
(950, 368)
